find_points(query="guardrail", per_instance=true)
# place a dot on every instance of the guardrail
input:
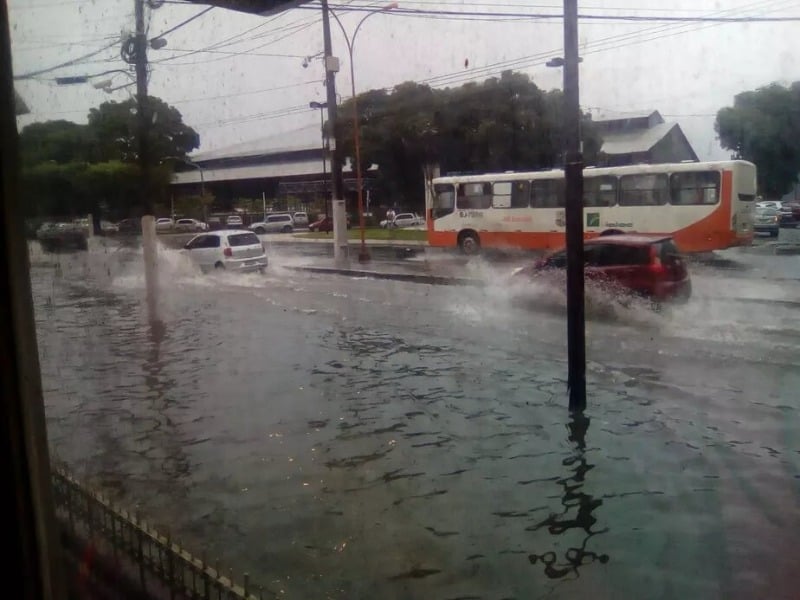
(140, 552)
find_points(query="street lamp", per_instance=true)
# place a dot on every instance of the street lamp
(363, 255)
(321, 106)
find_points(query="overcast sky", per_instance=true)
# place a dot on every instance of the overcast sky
(254, 86)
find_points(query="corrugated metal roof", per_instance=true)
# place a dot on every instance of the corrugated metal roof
(602, 117)
(640, 140)
(264, 171)
(255, 7)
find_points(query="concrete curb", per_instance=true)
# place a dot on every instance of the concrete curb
(409, 277)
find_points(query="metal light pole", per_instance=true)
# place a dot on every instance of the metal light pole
(363, 255)
(321, 106)
(149, 244)
(573, 174)
(340, 247)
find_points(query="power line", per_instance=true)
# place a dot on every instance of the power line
(65, 64)
(182, 23)
(239, 94)
(586, 17)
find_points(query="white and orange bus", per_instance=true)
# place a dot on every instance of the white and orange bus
(704, 205)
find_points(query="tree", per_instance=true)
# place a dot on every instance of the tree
(71, 169)
(114, 128)
(504, 123)
(763, 126)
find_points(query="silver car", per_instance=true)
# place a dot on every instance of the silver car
(282, 223)
(300, 219)
(231, 249)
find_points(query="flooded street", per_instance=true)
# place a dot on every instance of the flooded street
(355, 438)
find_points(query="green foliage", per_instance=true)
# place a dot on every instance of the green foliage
(501, 124)
(763, 126)
(114, 129)
(71, 169)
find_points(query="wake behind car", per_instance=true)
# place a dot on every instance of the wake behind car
(231, 249)
(647, 266)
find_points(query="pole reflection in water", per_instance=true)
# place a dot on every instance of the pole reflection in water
(578, 509)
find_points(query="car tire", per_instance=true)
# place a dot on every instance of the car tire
(260, 230)
(774, 234)
(219, 265)
(286, 229)
(469, 243)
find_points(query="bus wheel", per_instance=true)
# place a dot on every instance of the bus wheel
(469, 243)
(612, 232)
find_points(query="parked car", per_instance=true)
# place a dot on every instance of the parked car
(231, 249)
(648, 266)
(62, 236)
(278, 223)
(403, 220)
(325, 224)
(190, 225)
(130, 226)
(790, 214)
(164, 224)
(234, 221)
(107, 227)
(767, 220)
(776, 204)
(300, 219)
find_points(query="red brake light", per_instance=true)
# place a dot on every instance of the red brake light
(656, 266)
(228, 252)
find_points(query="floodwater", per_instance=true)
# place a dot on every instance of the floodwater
(355, 438)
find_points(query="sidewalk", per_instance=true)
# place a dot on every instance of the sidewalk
(446, 271)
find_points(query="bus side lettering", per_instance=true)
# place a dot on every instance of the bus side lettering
(470, 213)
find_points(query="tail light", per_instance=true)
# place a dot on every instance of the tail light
(228, 252)
(656, 266)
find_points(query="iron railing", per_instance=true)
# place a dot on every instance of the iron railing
(156, 560)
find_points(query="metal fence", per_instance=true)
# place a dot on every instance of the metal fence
(154, 559)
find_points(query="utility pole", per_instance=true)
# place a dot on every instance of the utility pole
(149, 243)
(339, 210)
(573, 174)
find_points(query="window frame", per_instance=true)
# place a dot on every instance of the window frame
(656, 176)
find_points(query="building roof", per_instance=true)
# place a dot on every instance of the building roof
(259, 147)
(637, 140)
(294, 168)
(627, 116)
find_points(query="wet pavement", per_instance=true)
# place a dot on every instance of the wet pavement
(349, 437)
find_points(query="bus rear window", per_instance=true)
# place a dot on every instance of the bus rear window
(694, 188)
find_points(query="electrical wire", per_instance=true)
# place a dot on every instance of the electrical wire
(182, 23)
(68, 63)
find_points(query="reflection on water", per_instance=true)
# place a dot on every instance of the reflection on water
(578, 509)
(406, 441)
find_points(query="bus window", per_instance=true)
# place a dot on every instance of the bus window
(600, 191)
(444, 199)
(547, 193)
(474, 196)
(520, 194)
(643, 190)
(501, 194)
(694, 187)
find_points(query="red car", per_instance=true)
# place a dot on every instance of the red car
(325, 224)
(649, 266)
